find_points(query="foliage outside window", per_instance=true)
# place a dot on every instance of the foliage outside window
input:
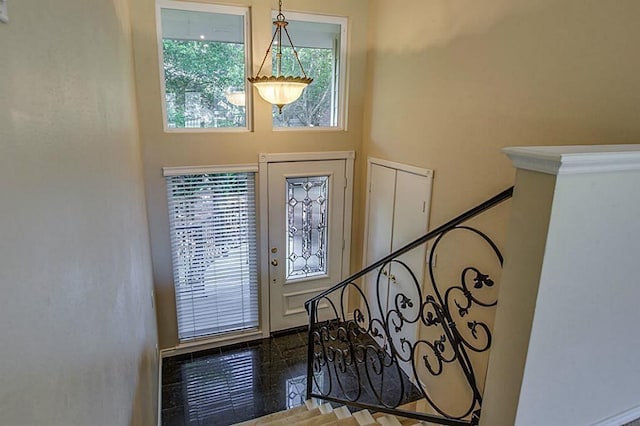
(203, 60)
(319, 42)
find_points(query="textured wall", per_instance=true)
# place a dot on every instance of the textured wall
(77, 325)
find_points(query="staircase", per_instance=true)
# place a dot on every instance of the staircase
(316, 414)
(395, 332)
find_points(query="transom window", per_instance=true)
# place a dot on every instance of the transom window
(204, 59)
(321, 44)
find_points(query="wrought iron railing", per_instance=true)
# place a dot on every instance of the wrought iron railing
(399, 339)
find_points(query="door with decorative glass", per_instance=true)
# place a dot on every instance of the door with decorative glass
(306, 236)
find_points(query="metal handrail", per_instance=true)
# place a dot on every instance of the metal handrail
(491, 202)
(346, 343)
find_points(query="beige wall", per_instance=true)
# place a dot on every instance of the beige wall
(184, 149)
(451, 82)
(78, 330)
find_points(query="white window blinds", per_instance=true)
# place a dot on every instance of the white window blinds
(213, 240)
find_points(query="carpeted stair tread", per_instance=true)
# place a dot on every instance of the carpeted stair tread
(318, 420)
(364, 418)
(315, 414)
(384, 419)
(348, 421)
(291, 420)
(274, 416)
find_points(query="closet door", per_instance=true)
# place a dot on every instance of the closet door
(410, 221)
(382, 183)
(397, 213)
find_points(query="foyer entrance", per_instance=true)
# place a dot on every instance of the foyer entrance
(308, 212)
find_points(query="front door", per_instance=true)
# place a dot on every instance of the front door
(306, 236)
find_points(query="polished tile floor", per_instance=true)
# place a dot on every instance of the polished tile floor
(233, 384)
(220, 387)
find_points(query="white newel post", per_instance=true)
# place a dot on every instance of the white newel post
(566, 345)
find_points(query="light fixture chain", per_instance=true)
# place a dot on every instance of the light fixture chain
(267, 54)
(295, 52)
(277, 89)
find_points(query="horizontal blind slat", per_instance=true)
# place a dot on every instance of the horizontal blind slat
(214, 250)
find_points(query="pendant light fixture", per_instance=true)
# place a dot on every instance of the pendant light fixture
(235, 96)
(278, 89)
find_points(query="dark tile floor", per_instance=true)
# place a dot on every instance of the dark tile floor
(233, 384)
(229, 385)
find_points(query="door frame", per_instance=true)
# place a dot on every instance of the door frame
(263, 196)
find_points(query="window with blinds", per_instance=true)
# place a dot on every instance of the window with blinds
(213, 240)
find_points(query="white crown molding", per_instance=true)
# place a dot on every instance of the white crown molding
(575, 159)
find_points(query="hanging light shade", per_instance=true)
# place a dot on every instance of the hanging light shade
(278, 89)
(235, 96)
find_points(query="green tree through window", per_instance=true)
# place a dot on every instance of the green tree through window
(313, 108)
(204, 70)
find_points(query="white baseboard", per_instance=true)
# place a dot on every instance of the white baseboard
(622, 418)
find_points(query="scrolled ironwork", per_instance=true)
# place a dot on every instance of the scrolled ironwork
(386, 352)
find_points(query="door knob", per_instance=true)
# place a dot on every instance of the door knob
(274, 262)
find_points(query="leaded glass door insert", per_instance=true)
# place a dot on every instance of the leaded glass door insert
(306, 203)
(307, 224)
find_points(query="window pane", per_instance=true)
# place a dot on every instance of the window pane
(318, 46)
(307, 199)
(204, 61)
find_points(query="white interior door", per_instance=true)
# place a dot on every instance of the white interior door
(397, 213)
(306, 203)
(382, 186)
(411, 220)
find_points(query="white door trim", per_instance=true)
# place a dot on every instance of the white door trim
(263, 234)
(399, 166)
(392, 165)
(280, 157)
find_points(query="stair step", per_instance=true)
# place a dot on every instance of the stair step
(386, 419)
(274, 416)
(314, 413)
(311, 404)
(347, 421)
(364, 418)
(319, 420)
(289, 420)
(410, 422)
(342, 412)
(325, 408)
(419, 406)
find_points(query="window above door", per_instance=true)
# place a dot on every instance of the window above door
(204, 58)
(321, 43)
